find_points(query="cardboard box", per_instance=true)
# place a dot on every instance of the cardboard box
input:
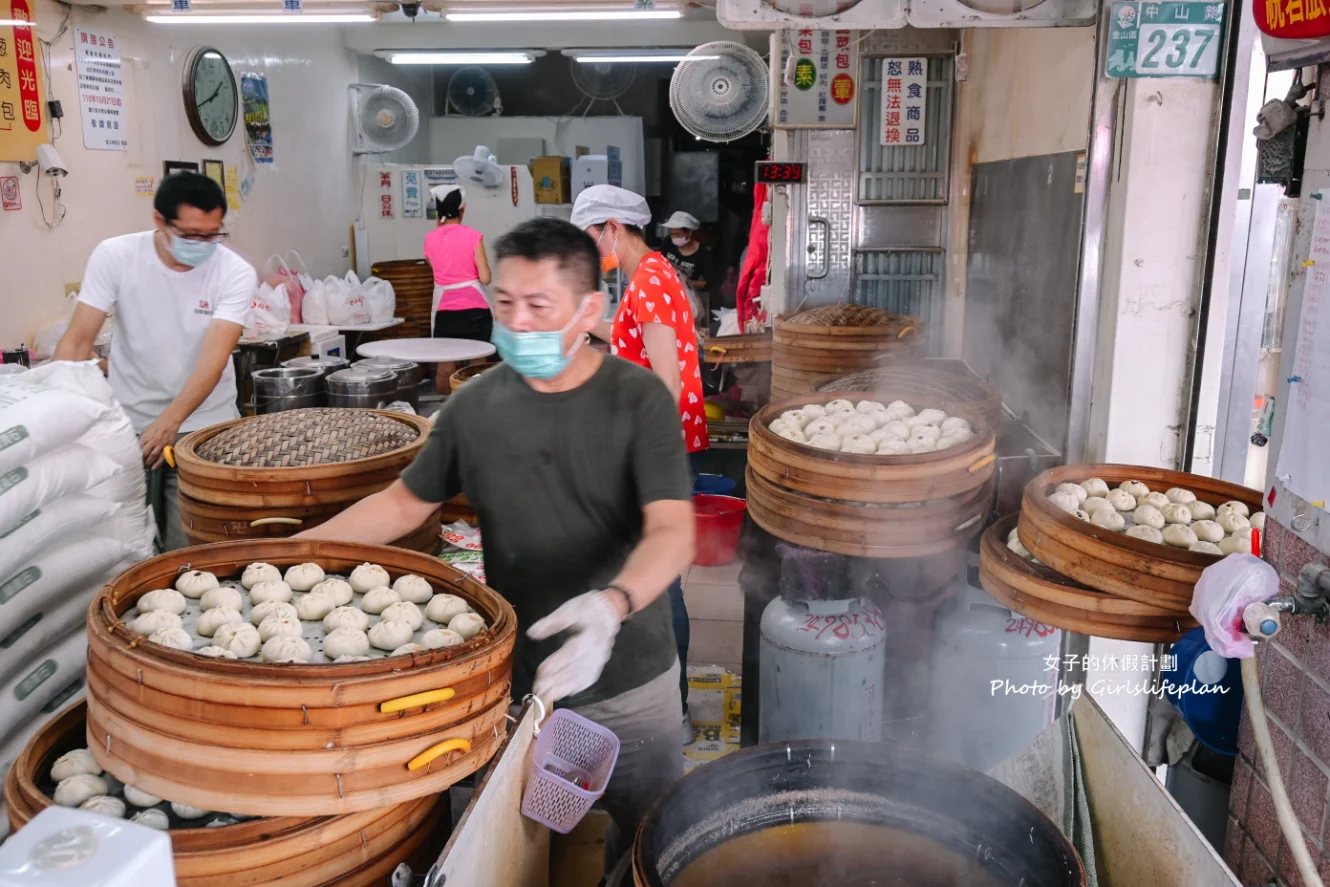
(597, 169)
(551, 179)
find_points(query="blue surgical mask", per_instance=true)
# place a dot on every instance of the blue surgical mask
(190, 252)
(535, 355)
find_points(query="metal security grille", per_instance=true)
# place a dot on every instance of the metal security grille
(899, 174)
(903, 282)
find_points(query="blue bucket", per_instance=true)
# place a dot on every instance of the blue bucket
(714, 485)
(1212, 715)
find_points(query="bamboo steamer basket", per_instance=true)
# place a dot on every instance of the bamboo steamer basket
(292, 739)
(222, 502)
(1024, 585)
(868, 506)
(1158, 575)
(816, 346)
(913, 383)
(413, 288)
(746, 348)
(355, 849)
(466, 374)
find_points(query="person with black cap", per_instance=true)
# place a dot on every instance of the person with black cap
(456, 254)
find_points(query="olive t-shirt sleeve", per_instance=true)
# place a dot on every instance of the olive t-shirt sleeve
(435, 476)
(660, 462)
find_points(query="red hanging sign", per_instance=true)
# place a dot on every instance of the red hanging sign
(1292, 19)
(25, 53)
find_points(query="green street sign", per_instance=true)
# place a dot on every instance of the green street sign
(1166, 39)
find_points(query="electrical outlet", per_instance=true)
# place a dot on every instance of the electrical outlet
(346, 252)
(71, 289)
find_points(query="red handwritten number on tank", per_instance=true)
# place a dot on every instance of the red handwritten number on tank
(846, 626)
(1026, 626)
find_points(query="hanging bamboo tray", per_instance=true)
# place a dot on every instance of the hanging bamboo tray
(947, 390)
(1156, 575)
(292, 739)
(821, 344)
(1011, 578)
(274, 475)
(467, 373)
(747, 348)
(344, 851)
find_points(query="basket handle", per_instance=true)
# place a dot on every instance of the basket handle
(264, 521)
(417, 700)
(428, 755)
(908, 329)
(983, 463)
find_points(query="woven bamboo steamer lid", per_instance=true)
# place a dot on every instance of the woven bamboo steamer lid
(918, 383)
(293, 852)
(1131, 568)
(179, 725)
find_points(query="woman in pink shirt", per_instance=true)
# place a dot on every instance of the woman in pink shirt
(456, 253)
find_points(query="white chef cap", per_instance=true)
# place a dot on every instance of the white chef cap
(601, 203)
(438, 192)
(682, 219)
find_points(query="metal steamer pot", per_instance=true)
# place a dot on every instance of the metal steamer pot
(361, 387)
(326, 367)
(408, 373)
(805, 781)
(287, 388)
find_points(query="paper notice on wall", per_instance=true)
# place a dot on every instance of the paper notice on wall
(258, 123)
(433, 179)
(1303, 466)
(232, 188)
(904, 101)
(145, 186)
(101, 85)
(413, 200)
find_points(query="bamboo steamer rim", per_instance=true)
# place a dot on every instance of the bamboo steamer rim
(190, 464)
(1042, 582)
(983, 442)
(1170, 559)
(467, 373)
(893, 326)
(106, 629)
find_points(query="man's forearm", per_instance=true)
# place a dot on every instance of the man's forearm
(203, 380)
(69, 348)
(659, 559)
(375, 520)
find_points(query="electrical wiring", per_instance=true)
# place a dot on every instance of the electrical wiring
(59, 210)
(58, 126)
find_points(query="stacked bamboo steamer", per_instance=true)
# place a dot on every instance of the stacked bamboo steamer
(294, 739)
(466, 374)
(354, 850)
(746, 348)
(816, 346)
(1093, 580)
(275, 475)
(868, 505)
(413, 287)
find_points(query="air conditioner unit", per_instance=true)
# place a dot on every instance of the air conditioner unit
(1001, 13)
(824, 15)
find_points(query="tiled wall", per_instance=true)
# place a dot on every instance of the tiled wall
(1295, 681)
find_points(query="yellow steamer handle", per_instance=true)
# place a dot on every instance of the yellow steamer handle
(264, 521)
(168, 453)
(983, 463)
(428, 755)
(417, 700)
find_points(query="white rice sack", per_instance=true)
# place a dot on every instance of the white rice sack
(24, 645)
(58, 522)
(47, 678)
(46, 408)
(56, 575)
(68, 470)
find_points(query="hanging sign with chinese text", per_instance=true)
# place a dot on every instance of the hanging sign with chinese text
(22, 113)
(819, 81)
(413, 200)
(1166, 39)
(904, 101)
(1292, 19)
(101, 91)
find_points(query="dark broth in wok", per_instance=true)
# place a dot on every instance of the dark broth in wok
(833, 854)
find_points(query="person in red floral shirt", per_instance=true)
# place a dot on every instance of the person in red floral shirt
(653, 328)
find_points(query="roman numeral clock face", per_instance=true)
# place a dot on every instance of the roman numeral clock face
(212, 101)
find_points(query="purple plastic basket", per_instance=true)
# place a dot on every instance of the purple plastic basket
(572, 761)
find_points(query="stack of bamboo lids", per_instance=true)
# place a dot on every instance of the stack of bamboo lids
(319, 436)
(816, 346)
(413, 288)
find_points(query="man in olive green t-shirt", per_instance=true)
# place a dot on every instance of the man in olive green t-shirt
(575, 466)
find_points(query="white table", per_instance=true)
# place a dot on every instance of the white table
(427, 350)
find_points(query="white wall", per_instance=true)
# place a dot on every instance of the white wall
(304, 201)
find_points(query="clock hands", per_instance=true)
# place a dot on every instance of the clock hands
(214, 95)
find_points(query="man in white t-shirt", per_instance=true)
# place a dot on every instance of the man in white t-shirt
(179, 304)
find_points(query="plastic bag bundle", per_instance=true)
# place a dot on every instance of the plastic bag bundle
(270, 314)
(1223, 593)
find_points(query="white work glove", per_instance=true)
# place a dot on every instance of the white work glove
(594, 621)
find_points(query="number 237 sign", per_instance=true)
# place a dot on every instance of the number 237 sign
(1165, 39)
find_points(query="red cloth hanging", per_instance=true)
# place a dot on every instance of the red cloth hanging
(753, 275)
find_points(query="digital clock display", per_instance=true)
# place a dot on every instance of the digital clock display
(773, 172)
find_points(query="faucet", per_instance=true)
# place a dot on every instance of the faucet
(1312, 597)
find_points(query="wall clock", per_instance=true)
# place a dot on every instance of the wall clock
(212, 98)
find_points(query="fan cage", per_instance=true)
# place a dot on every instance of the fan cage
(711, 70)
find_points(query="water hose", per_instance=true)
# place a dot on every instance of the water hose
(1288, 820)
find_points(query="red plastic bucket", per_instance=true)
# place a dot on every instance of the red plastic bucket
(719, 522)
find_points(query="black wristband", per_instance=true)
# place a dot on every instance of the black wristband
(627, 599)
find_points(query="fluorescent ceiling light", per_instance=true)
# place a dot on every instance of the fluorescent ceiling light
(16, 23)
(275, 18)
(571, 16)
(642, 59)
(632, 54)
(457, 58)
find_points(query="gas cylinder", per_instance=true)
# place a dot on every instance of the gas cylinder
(994, 677)
(822, 669)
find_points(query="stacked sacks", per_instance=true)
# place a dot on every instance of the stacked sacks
(72, 516)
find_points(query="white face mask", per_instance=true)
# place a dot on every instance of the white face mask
(679, 241)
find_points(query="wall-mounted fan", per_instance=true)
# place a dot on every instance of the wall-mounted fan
(479, 168)
(472, 92)
(383, 118)
(602, 81)
(721, 91)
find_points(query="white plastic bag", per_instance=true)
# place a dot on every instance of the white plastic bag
(346, 302)
(270, 315)
(314, 308)
(38, 418)
(380, 299)
(729, 322)
(1223, 593)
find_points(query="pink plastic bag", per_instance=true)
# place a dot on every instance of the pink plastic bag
(1223, 592)
(281, 271)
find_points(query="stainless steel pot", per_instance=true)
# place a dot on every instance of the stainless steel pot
(361, 387)
(408, 373)
(325, 365)
(944, 808)
(287, 388)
